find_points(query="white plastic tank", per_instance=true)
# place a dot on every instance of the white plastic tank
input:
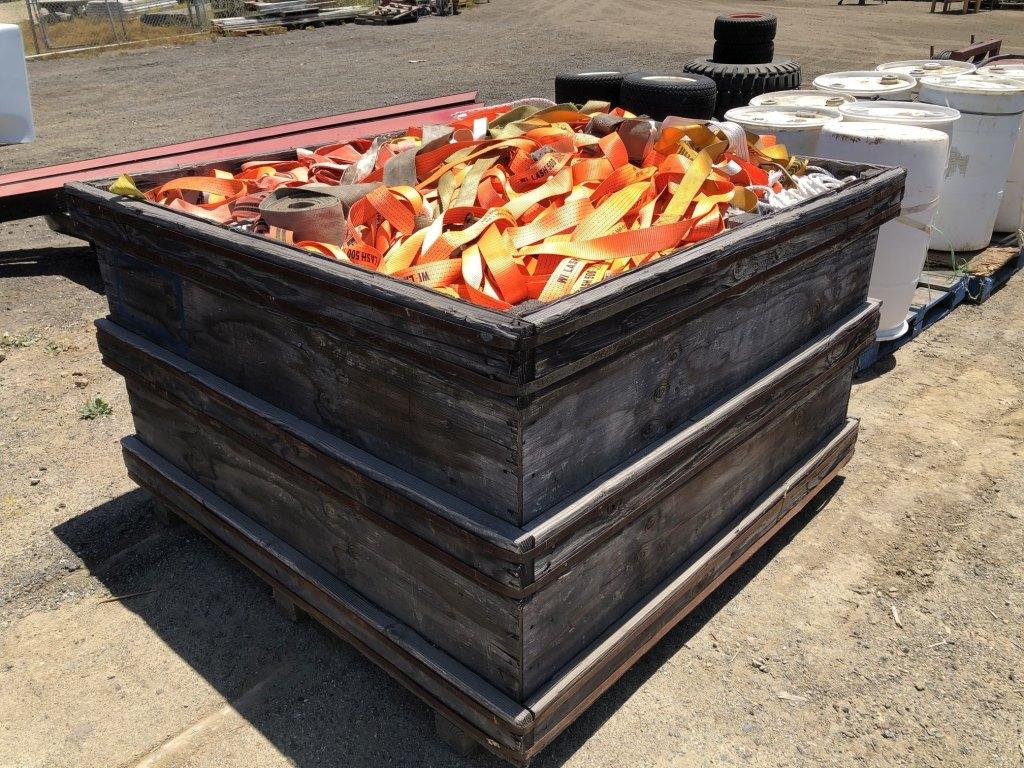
(797, 128)
(1010, 216)
(801, 99)
(16, 124)
(868, 84)
(903, 242)
(901, 113)
(982, 142)
(918, 68)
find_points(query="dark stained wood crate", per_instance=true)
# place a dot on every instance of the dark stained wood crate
(512, 413)
(513, 605)
(514, 730)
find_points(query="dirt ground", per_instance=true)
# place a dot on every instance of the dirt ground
(882, 628)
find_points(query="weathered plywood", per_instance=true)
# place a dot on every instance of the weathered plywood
(515, 731)
(510, 560)
(635, 398)
(463, 617)
(562, 619)
(488, 406)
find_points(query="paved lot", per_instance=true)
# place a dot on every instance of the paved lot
(194, 668)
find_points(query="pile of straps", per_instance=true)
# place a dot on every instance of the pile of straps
(510, 203)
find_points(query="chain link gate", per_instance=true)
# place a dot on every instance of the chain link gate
(58, 25)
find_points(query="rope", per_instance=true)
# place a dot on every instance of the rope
(817, 181)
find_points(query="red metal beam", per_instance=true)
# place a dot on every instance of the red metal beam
(37, 192)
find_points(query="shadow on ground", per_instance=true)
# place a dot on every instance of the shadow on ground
(77, 264)
(309, 694)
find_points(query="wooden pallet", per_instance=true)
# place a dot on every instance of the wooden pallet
(380, 20)
(991, 269)
(938, 293)
(469, 708)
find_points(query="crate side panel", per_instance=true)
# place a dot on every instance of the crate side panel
(425, 325)
(455, 437)
(464, 618)
(377, 488)
(633, 400)
(563, 618)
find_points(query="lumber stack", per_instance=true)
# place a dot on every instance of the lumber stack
(288, 14)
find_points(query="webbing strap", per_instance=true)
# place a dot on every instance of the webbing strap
(529, 205)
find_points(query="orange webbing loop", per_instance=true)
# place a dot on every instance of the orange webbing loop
(537, 209)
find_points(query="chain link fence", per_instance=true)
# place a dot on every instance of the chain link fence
(58, 25)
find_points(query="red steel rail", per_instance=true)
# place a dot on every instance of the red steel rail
(38, 192)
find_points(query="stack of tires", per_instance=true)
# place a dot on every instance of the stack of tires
(743, 64)
(643, 93)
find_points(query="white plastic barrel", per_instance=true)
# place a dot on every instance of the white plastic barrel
(795, 127)
(903, 242)
(979, 160)
(868, 84)
(918, 68)
(16, 124)
(801, 99)
(901, 113)
(1010, 216)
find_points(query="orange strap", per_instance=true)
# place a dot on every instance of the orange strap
(538, 209)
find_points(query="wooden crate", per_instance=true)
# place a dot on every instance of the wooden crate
(514, 730)
(511, 412)
(503, 509)
(514, 611)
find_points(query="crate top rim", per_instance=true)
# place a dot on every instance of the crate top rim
(531, 326)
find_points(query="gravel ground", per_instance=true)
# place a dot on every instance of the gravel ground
(882, 629)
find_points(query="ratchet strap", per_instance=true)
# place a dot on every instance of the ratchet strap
(506, 205)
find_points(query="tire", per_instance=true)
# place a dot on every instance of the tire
(588, 86)
(733, 53)
(739, 83)
(746, 28)
(659, 96)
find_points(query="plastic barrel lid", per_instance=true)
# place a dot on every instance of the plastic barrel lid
(974, 83)
(866, 83)
(801, 99)
(877, 132)
(901, 112)
(923, 67)
(791, 117)
(1007, 71)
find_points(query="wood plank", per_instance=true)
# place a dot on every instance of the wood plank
(366, 306)
(461, 616)
(635, 398)
(595, 670)
(698, 290)
(496, 721)
(519, 558)
(483, 541)
(501, 725)
(566, 616)
(568, 531)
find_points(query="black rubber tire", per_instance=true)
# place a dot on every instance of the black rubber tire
(733, 53)
(943, 55)
(588, 86)
(659, 96)
(746, 28)
(739, 83)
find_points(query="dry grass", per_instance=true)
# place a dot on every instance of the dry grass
(83, 32)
